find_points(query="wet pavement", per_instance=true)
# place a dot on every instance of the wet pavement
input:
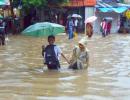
(23, 76)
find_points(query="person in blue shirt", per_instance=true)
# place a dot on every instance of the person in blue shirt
(70, 27)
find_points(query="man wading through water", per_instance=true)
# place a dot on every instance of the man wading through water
(51, 54)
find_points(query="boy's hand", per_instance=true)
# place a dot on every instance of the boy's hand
(43, 47)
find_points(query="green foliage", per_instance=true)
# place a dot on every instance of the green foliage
(27, 5)
(38, 3)
(56, 2)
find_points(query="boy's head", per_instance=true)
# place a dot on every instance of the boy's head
(51, 39)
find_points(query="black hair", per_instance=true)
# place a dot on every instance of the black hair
(51, 36)
(104, 19)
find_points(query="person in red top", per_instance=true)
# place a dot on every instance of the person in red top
(108, 28)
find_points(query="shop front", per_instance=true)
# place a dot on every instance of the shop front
(85, 8)
(125, 22)
(111, 10)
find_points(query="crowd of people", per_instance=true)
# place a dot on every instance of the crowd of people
(73, 26)
(51, 53)
(8, 25)
(80, 54)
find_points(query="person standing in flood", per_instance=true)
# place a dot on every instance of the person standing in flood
(108, 28)
(51, 54)
(70, 28)
(89, 30)
(2, 32)
(103, 27)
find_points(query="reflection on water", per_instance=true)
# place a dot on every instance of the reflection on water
(23, 76)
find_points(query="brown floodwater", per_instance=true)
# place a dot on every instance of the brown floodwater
(24, 77)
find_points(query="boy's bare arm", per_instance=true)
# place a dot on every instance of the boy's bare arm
(65, 58)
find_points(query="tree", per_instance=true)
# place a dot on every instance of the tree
(30, 7)
(56, 2)
(27, 4)
(11, 4)
(39, 3)
(36, 3)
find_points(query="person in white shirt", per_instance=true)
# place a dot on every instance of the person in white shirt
(51, 54)
(76, 25)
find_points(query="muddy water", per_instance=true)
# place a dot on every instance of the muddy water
(23, 76)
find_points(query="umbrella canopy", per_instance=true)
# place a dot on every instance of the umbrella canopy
(4, 2)
(90, 19)
(43, 29)
(76, 16)
(1, 17)
(108, 18)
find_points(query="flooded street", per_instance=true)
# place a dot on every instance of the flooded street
(23, 76)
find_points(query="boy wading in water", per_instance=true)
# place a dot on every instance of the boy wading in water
(51, 54)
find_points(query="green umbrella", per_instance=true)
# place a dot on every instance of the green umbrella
(2, 2)
(1, 17)
(43, 29)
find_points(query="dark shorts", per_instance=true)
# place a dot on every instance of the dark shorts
(73, 66)
(55, 66)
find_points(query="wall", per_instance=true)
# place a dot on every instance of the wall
(89, 11)
(127, 1)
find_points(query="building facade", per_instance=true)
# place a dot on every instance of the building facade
(127, 1)
(88, 6)
(85, 8)
(110, 8)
